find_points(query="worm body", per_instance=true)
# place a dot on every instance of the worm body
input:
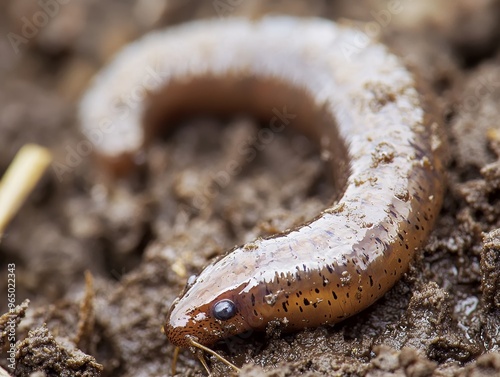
(352, 96)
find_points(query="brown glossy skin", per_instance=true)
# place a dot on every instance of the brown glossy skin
(362, 108)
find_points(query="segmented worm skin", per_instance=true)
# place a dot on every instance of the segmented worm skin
(351, 95)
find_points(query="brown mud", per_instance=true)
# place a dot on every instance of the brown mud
(142, 237)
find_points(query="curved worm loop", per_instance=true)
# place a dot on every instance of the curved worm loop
(358, 102)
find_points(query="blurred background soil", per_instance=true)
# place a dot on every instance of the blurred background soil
(141, 238)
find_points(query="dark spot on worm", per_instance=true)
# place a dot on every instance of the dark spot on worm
(399, 260)
(316, 290)
(255, 312)
(371, 280)
(329, 303)
(334, 295)
(306, 302)
(329, 268)
(347, 295)
(284, 307)
(301, 310)
(401, 237)
(315, 305)
(288, 282)
(253, 300)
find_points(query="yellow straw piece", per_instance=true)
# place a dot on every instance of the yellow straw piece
(493, 134)
(20, 178)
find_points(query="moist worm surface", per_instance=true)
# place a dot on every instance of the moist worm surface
(349, 94)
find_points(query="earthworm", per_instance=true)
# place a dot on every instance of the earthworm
(348, 93)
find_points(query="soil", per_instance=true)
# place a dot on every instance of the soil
(101, 260)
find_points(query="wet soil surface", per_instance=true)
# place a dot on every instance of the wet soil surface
(101, 260)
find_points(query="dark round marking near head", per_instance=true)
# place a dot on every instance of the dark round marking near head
(224, 310)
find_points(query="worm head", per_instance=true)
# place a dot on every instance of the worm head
(212, 307)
